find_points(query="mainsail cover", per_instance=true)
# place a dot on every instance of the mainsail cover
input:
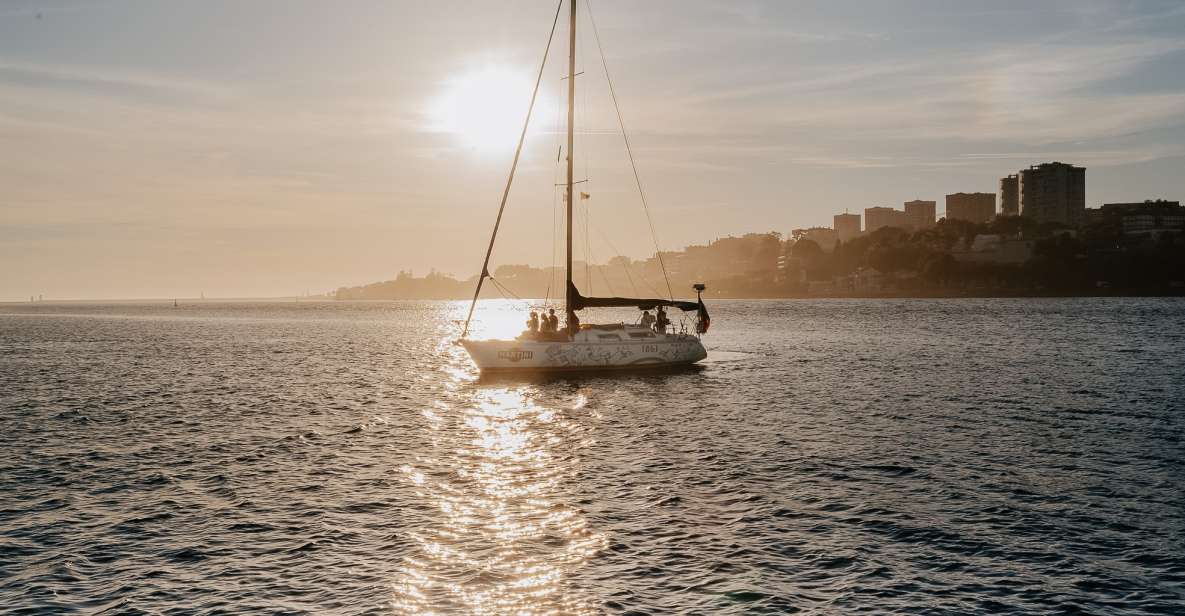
(579, 302)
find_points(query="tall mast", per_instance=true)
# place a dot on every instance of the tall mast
(569, 314)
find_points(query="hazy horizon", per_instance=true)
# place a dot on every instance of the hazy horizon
(269, 149)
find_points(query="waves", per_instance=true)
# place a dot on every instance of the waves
(506, 537)
(841, 457)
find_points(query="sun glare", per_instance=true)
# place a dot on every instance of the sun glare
(485, 108)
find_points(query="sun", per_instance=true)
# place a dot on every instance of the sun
(484, 108)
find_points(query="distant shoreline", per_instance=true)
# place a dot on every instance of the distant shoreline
(933, 295)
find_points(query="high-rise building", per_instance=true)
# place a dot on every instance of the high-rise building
(972, 207)
(920, 214)
(877, 217)
(1053, 192)
(847, 226)
(1010, 195)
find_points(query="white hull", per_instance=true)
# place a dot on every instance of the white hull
(631, 347)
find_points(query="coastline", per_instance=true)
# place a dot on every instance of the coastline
(885, 295)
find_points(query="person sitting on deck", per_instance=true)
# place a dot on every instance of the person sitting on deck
(533, 323)
(647, 319)
(550, 322)
(661, 321)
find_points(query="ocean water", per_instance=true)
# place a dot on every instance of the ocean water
(831, 456)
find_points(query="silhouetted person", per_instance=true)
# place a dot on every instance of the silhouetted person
(661, 321)
(533, 323)
(545, 323)
(553, 322)
(647, 319)
(573, 324)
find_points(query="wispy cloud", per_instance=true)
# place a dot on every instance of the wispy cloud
(1037, 93)
(112, 82)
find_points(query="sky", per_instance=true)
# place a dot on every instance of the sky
(274, 148)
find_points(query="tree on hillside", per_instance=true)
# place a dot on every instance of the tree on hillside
(765, 253)
(806, 250)
(940, 269)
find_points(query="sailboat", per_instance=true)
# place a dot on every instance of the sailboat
(576, 346)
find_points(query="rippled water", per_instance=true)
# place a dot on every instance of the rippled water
(922, 456)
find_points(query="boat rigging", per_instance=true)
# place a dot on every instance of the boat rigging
(576, 346)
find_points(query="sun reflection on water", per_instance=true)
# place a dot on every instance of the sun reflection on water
(503, 537)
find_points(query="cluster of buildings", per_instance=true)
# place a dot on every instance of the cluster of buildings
(1046, 193)
(915, 215)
